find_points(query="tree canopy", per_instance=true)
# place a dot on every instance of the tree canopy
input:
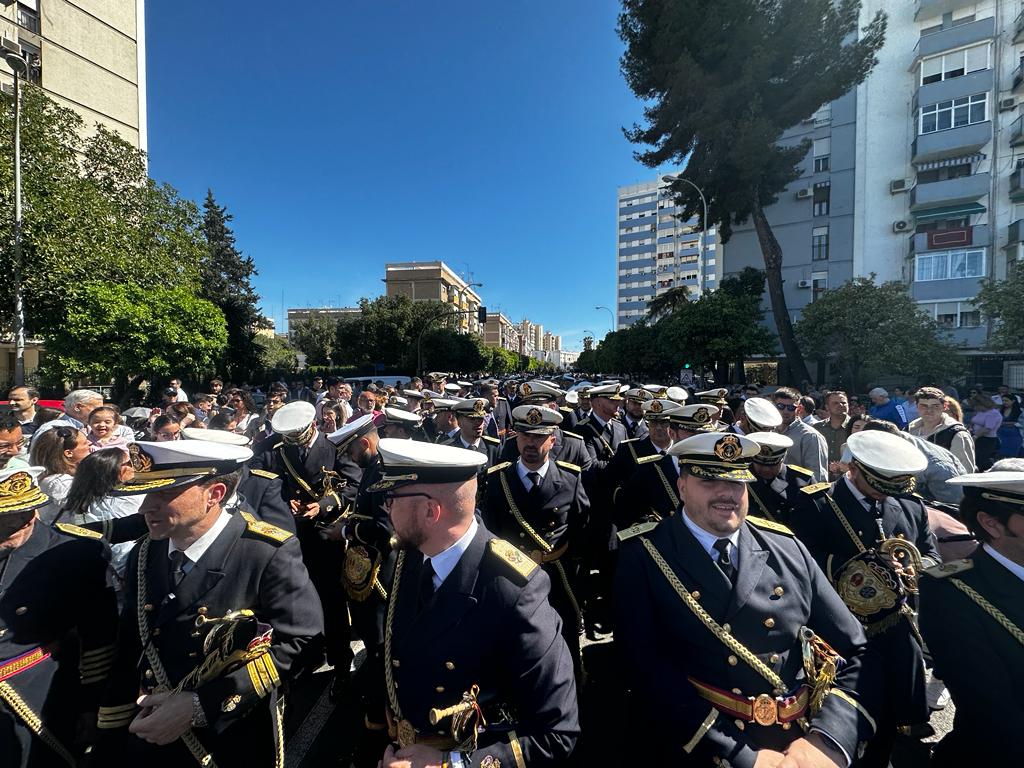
(315, 336)
(1001, 301)
(871, 330)
(721, 84)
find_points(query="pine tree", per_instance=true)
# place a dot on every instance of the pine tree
(226, 280)
(721, 81)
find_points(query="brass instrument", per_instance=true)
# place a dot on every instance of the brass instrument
(908, 559)
(466, 716)
(237, 638)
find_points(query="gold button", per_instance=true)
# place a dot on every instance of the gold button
(449, 665)
(695, 595)
(769, 622)
(740, 724)
(737, 691)
(786, 726)
(396, 663)
(147, 607)
(440, 689)
(773, 659)
(779, 591)
(733, 661)
(522, 535)
(202, 610)
(149, 674)
(156, 632)
(727, 627)
(21, 610)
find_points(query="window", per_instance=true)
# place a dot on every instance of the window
(822, 149)
(819, 243)
(950, 265)
(28, 18)
(823, 115)
(819, 284)
(954, 113)
(943, 174)
(821, 164)
(942, 226)
(955, 64)
(953, 314)
(822, 197)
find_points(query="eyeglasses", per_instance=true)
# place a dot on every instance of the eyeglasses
(783, 407)
(389, 498)
(14, 446)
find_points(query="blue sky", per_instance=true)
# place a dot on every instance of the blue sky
(346, 134)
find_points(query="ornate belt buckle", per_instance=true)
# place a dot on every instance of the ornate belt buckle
(764, 710)
(406, 734)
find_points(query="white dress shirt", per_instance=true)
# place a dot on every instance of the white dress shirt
(444, 562)
(707, 540)
(1015, 568)
(198, 548)
(527, 482)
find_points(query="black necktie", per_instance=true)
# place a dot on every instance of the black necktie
(535, 479)
(426, 583)
(178, 561)
(725, 561)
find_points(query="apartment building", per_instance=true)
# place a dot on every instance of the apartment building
(502, 333)
(435, 281)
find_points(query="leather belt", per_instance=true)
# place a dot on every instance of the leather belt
(763, 709)
(19, 664)
(541, 557)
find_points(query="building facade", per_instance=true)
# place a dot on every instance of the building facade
(435, 281)
(915, 176)
(502, 333)
(89, 57)
(656, 252)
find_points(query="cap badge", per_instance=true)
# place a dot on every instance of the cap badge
(16, 485)
(534, 417)
(141, 461)
(662, 393)
(702, 415)
(657, 407)
(728, 448)
(478, 408)
(526, 389)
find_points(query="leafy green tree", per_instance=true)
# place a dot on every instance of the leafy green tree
(1001, 301)
(449, 350)
(386, 331)
(503, 362)
(870, 330)
(276, 354)
(316, 337)
(587, 361)
(226, 280)
(721, 84)
(90, 213)
(126, 332)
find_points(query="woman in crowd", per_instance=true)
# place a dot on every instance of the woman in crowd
(166, 428)
(245, 410)
(985, 424)
(89, 499)
(59, 451)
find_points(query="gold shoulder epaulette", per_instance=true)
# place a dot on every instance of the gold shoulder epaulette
(266, 530)
(572, 434)
(636, 530)
(264, 473)
(952, 568)
(74, 530)
(569, 465)
(800, 470)
(498, 467)
(815, 488)
(565, 408)
(769, 525)
(648, 459)
(490, 439)
(508, 554)
(583, 423)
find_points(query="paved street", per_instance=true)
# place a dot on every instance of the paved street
(320, 734)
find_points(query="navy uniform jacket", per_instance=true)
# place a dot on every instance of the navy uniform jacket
(309, 467)
(569, 418)
(819, 528)
(774, 500)
(601, 442)
(55, 599)
(488, 446)
(501, 419)
(978, 659)
(625, 461)
(779, 589)
(250, 565)
(635, 430)
(568, 447)
(649, 493)
(488, 624)
(261, 490)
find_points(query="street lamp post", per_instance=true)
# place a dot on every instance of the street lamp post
(703, 226)
(19, 66)
(611, 316)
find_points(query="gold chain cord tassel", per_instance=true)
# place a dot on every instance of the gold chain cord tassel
(24, 712)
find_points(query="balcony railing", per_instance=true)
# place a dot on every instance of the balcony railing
(1016, 230)
(1018, 28)
(1017, 132)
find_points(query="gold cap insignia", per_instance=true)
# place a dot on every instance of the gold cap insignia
(141, 461)
(16, 485)
(479, 408)
(657, 407)
(526, 389)
(702, 415)
(534, 417)
(728, 448)
(662, 393)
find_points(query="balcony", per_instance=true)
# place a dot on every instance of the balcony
(944, 239)
(960, 190)
(1018, 28)
(964, 140)
(926, 9)
(954, 37)
(1017, 185)
(970, 84)
(1015, 232)
(1017, 132)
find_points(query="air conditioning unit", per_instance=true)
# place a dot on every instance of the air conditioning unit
(7, 88)
(803, 194)
(901, 225)
(1005, 105)
(898, 185)
(804, 284)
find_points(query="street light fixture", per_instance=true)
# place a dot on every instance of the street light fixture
(19, 66)
(463, 291)
(611, 315)
(703, 226)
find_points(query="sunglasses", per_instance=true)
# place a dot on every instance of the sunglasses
(783, 407)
